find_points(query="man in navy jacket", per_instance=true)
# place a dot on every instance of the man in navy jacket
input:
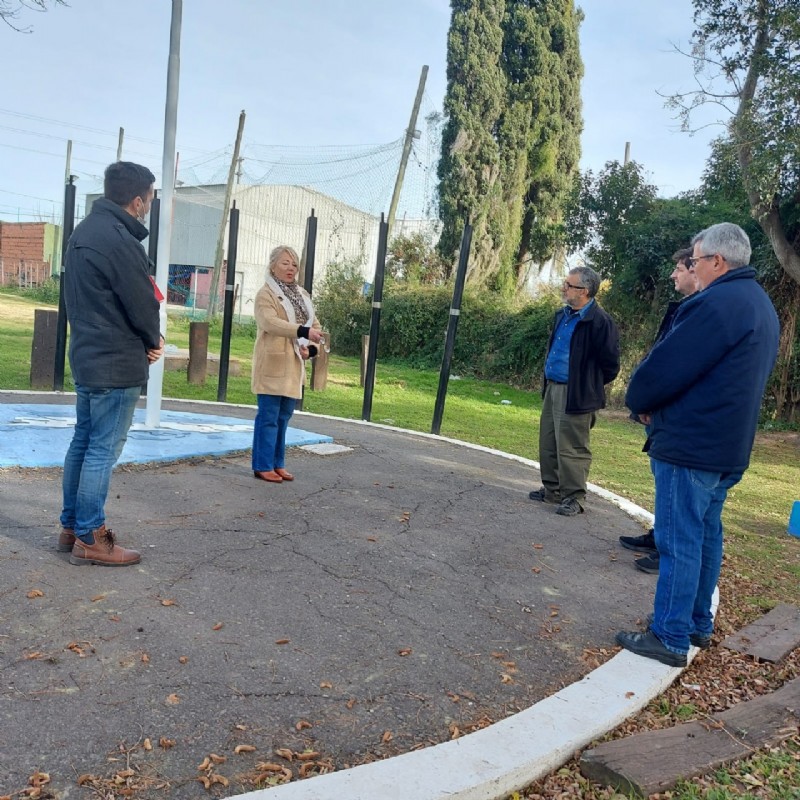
(700, 391)
(114, 335)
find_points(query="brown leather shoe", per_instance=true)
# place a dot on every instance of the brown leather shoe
(271, 476)
(65, 540)
(287, 476)
(103, 552)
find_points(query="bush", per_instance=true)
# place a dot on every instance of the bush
(342, 308)
(46, 292)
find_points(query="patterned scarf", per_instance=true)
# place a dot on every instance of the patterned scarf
(293, 293)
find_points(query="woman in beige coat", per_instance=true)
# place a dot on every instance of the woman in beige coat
(288, 332)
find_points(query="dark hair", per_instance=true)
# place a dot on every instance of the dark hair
(124, 180)
(682, 256)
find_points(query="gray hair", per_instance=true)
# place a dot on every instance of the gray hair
(277, 252)
(726, 240)
(589, 278)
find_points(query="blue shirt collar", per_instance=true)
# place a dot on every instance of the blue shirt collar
(570, 312)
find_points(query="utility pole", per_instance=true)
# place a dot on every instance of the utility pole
(213, 298)
(239, 169)
(411, 134)
(119, 143)
(627, 154)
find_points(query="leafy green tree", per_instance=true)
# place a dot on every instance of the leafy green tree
(413, 260)
(747, 62)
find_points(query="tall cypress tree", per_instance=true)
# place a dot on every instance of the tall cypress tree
(529, 142)
(469, 168)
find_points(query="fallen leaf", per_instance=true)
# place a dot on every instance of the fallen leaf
(306, 768)
(204, 765)
(35, 593)
(284, 752)
(454, 731)
(536, 570)
(302, 724)
(205, 781)
(506, 678)
(454, 697)
(166, 743)
(217, 627)
(405, 517)
(145, 658)
(173, 699)
(220, 779)
(124, 774)
(98, 597)
(554, 613)
(371, 539)
(217, 759)
(39, 779)
(244, 748)
(113, 618)
(405, 651)
(166, 602)
(240, 727)
(31, 656)
(497, 654)
(387, 737)
(147, 744)
(630, 694)
(351, 702)
(307, 755)
(85, 778)
(325, 685)
(538, 547)
(282, 641)
(184, 659)
(269, 766)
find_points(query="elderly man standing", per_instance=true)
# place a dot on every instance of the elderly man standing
(700, 391)
(582, 356)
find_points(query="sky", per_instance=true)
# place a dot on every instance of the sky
(314, 76)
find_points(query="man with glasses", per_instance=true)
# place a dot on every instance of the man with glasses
(114, 335)
(582, 356)
(699, 390)
(685, 282)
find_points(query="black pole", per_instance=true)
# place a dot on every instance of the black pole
(61, 325)
(227, 314)
(375, 321)
(308, 279)
(452, 324)
(152, 239)
(311, 253)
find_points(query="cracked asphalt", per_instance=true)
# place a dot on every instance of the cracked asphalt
(391, 597)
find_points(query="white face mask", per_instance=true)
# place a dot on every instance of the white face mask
(142, 215)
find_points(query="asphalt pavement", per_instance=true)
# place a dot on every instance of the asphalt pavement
(401, 592)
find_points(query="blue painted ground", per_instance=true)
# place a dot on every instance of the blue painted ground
(35, 435)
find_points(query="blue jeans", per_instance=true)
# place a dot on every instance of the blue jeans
(269, 431)
(104, 417)
(688, 533)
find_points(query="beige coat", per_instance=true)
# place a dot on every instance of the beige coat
(278, 368)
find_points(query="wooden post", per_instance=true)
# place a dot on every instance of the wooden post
(198, 352)
(43, 348)
(364, 353)
(319, 366)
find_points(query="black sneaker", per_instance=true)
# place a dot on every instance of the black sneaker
(544, 495)
(650, 646)
(648, 564)
(700, 640)
(646, 543)
(569, 507)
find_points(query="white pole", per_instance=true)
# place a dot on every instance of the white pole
(155, 382)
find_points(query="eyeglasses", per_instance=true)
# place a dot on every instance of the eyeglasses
(693, 261)
(569, 285)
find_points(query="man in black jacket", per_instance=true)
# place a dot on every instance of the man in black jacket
(686, 285)
(582, 356)
(114, 335)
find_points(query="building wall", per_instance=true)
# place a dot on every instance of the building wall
(27, 252)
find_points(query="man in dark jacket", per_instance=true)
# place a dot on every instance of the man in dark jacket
(114, 335)
(686, 285)
(582, 356)
(700, 391)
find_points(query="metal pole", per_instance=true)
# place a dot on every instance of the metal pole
(61, 325)
(152, 239)
(452, 325)
(311, 253)
(119, 143)
(375, 321)
(155, 383)
(227, 314)
(412, 129)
